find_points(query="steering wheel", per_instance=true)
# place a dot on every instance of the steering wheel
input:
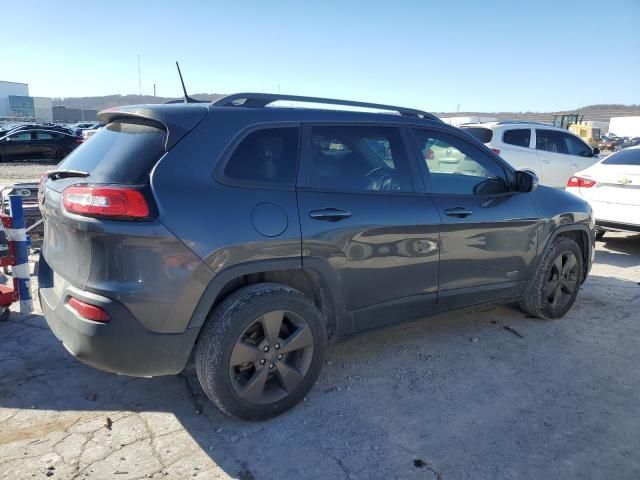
(381, 179)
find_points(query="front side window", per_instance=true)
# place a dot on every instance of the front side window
(457, 167)
(550, 141)
(353, 158)
(575, 146)
(268, 156)
(520, 137)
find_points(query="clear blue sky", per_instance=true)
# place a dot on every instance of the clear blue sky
(484, 55)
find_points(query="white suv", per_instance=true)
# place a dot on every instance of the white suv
(553, 154)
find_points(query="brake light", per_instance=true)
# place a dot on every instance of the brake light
(90, 312)
(118, 202)
(496, 151)
(580, 182)
(79, 140)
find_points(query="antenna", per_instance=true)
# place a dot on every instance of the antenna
(187, 98)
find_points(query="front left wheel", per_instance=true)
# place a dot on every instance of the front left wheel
(260, 351)
(553, 290)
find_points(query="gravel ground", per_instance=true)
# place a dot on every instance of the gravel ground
(458, 396)
(23, 171)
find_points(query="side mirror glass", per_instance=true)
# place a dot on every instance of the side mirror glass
(596, 151)
(526, 181)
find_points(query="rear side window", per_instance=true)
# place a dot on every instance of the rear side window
(630, 156)
(519, 137)
(122, 152)
(267, 156)
(485, 135)
(354, 158)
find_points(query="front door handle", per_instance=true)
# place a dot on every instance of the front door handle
(459, 212)
(330, 214)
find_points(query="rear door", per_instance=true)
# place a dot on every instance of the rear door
(45, 142)
(362, 217)
(555, 163)
(488, 233)
(517, 148)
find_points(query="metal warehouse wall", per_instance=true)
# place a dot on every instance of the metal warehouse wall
(71, 115)
(10, 88)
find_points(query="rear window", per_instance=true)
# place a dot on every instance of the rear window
(121, 152)
(624, 157)
(519, 137)
(483, 134)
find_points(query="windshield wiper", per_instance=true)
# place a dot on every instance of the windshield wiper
(58, 174)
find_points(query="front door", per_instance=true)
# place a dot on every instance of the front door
(360, 215)
(488, 233)
(555, 164)
(18, 145)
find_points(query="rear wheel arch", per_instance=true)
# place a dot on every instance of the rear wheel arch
(321, 289)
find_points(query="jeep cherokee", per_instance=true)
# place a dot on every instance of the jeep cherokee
(250, 235)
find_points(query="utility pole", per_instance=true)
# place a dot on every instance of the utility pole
(154, 90)
(139, 77)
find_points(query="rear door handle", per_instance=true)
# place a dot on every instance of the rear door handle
(330, 214)
(459, 212)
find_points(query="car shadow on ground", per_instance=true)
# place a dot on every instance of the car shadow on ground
(484, 393)
(619, 251)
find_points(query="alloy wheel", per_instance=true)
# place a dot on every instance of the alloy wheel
(271, 357)
(562, 280)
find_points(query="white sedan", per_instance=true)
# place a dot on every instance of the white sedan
(612, 187)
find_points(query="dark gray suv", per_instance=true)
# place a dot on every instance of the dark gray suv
(250, 235)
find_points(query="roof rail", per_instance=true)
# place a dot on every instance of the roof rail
(506, 122)
(264, 99)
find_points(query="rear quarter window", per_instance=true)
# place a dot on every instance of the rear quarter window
(485, 135)
(123, 151)
(267, 156)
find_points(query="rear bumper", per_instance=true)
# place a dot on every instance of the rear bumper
(121, 345)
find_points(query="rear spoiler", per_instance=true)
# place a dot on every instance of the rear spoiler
(178, 119)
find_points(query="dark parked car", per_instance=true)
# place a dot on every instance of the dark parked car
(254, 234)
(36, 144)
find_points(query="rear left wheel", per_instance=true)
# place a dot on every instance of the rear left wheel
(261, 351)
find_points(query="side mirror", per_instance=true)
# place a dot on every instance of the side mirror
(596, 151)
(526, 181)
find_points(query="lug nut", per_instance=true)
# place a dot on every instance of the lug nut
(262, 362)
(280, 357)
(271, 365)
(277, 346)
(266, 348)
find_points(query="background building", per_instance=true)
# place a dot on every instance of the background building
(7, 90)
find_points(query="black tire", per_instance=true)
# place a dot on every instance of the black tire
(226, 329)
(600, 234)
(548, 294)
(61, 153)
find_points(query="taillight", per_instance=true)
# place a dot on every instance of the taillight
(90, 312)
(120, 202)
(580, 182)
(79, 140)
(496, 151)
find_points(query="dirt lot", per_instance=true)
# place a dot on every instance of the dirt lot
(458, 396)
